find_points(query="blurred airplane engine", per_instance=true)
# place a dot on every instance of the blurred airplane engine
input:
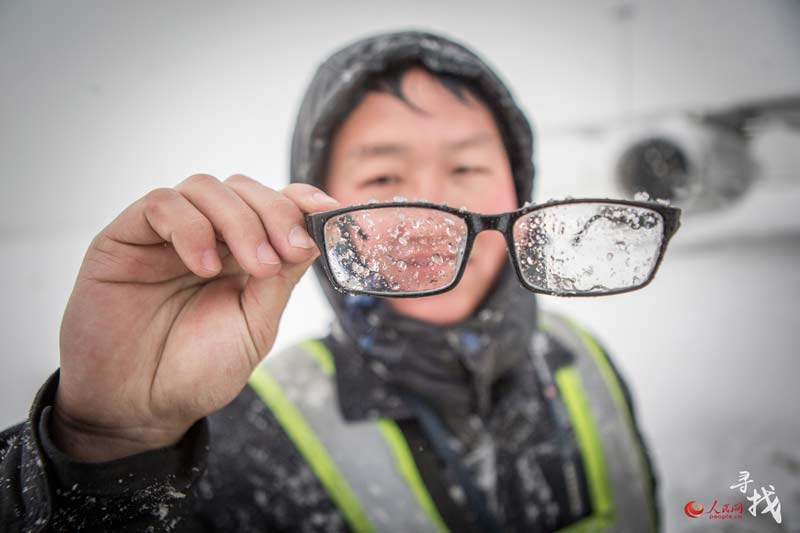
(690, 161)
(698, 160)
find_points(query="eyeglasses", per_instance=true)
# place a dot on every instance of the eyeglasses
(575, 247)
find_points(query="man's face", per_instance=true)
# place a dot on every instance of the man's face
(450, 153)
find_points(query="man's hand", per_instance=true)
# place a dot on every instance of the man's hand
(176, 302)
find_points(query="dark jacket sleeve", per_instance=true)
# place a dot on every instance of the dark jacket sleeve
(41, 489)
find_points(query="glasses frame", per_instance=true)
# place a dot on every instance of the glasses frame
(476, 223)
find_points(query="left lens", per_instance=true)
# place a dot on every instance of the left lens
(395, 250)
(588, 247)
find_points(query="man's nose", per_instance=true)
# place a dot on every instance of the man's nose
(430, 187)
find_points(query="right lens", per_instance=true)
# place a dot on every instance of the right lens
(395, 250)
(588, 247)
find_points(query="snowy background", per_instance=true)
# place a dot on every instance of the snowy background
(102, 101)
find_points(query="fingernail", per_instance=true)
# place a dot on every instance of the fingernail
(324, 198)
(210, 260)
(265, 254)
(299, 238)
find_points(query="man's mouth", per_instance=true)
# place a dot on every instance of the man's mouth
(428, 259)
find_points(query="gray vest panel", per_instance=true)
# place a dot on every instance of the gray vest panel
(358, 449)
(628, 477)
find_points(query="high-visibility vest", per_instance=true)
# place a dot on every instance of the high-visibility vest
(369, 472)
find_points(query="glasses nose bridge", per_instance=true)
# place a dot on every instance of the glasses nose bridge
(496, 222)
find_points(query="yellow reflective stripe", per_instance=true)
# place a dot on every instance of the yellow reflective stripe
(619, 399)
(569, 384)
(604, 367)
(394, 438)
(311, 449)
(320, 352)
(408, 468)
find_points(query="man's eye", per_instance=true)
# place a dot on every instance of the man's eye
(382, 180)
(464, 169)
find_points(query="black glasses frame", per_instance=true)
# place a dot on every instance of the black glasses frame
(476, 222)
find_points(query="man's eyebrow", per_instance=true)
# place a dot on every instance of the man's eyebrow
(473, 140)
(379, 149)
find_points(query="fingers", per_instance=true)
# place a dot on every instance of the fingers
(283, 214)
(262, 227)
(164, 215)
(309, 198)
(239, 225)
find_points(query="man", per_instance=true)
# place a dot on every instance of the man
(464, 411)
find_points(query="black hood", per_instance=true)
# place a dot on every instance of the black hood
(369, 323)
(340, 79)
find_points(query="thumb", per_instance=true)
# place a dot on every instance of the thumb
(263, 301)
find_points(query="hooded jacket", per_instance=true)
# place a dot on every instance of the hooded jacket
(237, 470)
(453, 367)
